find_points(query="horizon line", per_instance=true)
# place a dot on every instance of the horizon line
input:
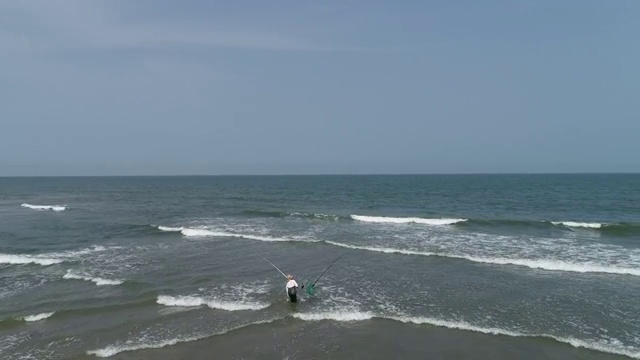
(326, 174)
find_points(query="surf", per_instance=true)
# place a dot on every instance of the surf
(542, 264)
(56, 208)
(406, 220)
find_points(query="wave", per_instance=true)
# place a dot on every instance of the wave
(56, 208)
(347, 316)
(194, 232)
(544, 264)
(285, 214)
(461, 325)
(15, 259)
(170, 229)
(406, 220)
(342, 316)
(37, 317)
(190, 301)
(70, 275)
(574, 224)
(112, 350)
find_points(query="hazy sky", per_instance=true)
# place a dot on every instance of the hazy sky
(210, 87)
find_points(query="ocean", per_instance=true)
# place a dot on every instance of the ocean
(432, 266)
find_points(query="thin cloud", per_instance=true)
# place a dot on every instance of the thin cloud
(81, 24)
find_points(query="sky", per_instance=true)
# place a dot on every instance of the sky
(145, 87)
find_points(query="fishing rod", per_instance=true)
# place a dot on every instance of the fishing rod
(327, 269)
(274, 267)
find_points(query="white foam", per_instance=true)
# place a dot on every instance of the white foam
(406, 220)
(544, 264)
(381, 249)
(37, 317)
(45, 207)
(170, 229)
(211, 233)
(189, 301)
(180, 300)
(129, 345)
(341, 316)
(97, 280)
(461, 325)
(578, 224)
(27, 259)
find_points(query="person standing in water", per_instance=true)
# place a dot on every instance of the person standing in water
(292, 288)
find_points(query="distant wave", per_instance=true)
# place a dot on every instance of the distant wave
(406, 220)
(16, 259)
(50, 258)
(37, 317)
(97, 280)
(579, 224)
(45, 207)
(130, 345)
(190, 301)
(285, 214)
(544, 264)
(194, 232)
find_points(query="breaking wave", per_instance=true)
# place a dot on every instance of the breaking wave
(347, 316)
(49, 258)
(15, 259)
(574, 224)
(37, 317)
(190, 301)
(130, 345)
(544, 264)
(70, 275)
(56, 208)
(461, 325)
(335, 316)
(194, 232)
(285, 214)
(406, 220)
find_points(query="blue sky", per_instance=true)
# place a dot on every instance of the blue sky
(256, 87)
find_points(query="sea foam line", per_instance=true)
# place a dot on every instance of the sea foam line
(190, 301)
(461, 325)
(575, 224)
(406, 220)
(15, 259)
(56, 208)
(544, 264)
(97, 280)
(193, 232)
(347, 316)
(37, 317)
(112, 350)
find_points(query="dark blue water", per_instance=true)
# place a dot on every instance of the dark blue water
(113, 266)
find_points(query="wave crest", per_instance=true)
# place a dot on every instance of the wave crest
(543, 264)
(406, 220)
(27, 259)
(196, 232)
(192, 301)
(70, 275)
(56, 208)
(112, 350)
(575, 224)
(37, 317)
(341, 316)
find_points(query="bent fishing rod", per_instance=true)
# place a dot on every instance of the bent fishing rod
(280, 271)
(327, 269)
